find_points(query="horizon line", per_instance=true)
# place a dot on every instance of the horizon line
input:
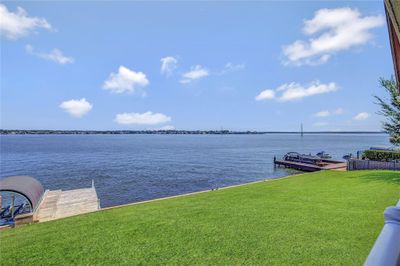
(177, 131)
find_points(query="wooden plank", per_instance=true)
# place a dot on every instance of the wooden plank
(59, 204)
(311, 167)
(299, 166)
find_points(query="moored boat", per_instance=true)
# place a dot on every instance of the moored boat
(324, 155)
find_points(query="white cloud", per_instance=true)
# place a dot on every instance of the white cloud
(326, 113)
(320, 124)
(339, 29)
(76, 108)
(147, 118)
(167, 127)
(168, 65)
(295, 91)
(362, 116)
(231, 67)
(196, 72)
(322, 114)
(265, 95)
(19, 24)
(54, 55)
(125, 80)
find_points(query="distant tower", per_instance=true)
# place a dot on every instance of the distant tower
(301, 129)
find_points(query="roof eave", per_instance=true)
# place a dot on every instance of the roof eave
(393, 22)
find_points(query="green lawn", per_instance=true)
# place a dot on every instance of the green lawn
(312, 219)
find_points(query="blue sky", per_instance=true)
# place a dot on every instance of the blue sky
(232, 65)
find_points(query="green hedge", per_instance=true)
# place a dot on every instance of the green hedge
(381, 155)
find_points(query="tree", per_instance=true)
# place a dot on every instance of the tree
(390, 109)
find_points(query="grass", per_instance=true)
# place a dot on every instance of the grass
(325, 218)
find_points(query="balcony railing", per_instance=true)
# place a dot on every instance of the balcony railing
(386, 250)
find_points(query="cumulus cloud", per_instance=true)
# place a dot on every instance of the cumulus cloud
(295, 91)
(265, 95)
(322, 114)
(54, 55)
(125, 80)
(231, 67)
(326, 113)
(147, 118)
(362, 116)
(195, 73)
(168, 65)
(19, 24)
(331, 31)
(76, 108)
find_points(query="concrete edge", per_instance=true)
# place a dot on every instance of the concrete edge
(197, 192)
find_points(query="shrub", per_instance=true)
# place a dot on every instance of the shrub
(376, 155)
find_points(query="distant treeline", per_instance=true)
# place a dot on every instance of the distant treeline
(172, 132)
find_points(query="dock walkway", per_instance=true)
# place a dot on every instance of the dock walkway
(58, 204)
(334, 165)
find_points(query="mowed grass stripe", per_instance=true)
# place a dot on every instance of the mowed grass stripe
(313, 219)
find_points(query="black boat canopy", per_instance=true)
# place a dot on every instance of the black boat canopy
(26, 186)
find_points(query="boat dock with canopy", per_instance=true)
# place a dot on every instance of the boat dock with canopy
(309, 163)
(23, 200)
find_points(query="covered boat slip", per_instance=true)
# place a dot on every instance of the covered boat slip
(44, 205)
(26, 186)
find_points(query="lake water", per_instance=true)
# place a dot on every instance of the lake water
(129, 168)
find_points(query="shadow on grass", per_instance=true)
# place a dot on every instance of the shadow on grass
(392, 177)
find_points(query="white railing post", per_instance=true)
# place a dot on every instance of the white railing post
(386, 250)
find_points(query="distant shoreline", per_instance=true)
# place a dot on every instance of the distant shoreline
(169, 132)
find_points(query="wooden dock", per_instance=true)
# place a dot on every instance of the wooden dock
(325, 165)
(58, 204)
